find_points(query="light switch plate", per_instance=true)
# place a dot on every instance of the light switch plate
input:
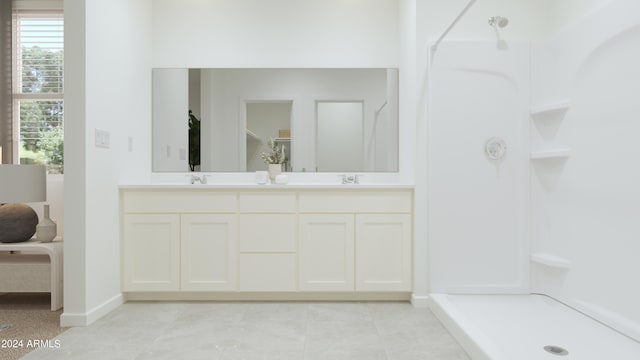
(103, 139)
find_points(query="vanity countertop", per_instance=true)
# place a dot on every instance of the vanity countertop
(249, 186)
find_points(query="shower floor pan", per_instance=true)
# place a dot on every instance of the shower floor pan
(508, 327)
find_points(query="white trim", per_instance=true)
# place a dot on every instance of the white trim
(37, 5)
(460, 327)
(419, 301)
(89, 317)
(266, 296)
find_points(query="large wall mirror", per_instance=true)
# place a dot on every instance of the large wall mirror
(324, 120)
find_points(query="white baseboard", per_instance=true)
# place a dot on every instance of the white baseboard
(419, 301)
(89, 317)
(265, 296)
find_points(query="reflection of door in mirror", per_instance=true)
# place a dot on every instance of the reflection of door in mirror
(267, 119)
(339, 136)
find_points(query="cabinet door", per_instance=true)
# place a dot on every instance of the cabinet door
(383, 252)
(209, 252)
(151, 252)
(326, 252)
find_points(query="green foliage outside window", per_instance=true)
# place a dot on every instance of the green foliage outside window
(41, 121)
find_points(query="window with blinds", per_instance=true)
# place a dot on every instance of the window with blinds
(39, 88)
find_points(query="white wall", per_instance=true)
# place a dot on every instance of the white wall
(525, 19)
(108, 86)
(74, 156)
(275, 33)
(563, 13)
(410, 134)
(585, 207)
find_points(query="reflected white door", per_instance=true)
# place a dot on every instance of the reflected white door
(339, 136)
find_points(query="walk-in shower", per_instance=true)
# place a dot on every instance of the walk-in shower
(535, 257)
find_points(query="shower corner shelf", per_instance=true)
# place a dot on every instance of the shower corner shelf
(551, 154)
(550, 260)
(549, 109)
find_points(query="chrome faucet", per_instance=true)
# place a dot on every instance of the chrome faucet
(201, 179)
(350, 179)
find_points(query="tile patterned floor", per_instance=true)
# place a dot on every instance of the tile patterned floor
(260, 331)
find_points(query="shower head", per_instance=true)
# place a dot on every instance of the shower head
(498, 21)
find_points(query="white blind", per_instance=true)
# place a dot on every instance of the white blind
(40, 49)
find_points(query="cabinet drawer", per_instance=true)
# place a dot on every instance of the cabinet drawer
(355, 202)
(267, 232)
(268, 202)
(267, 272)
(179, 202)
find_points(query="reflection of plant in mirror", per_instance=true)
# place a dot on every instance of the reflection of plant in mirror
(194, 141)
(276, 153)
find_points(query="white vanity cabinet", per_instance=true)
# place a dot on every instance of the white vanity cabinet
(151, 252)
(286, 243)
(179, 241)
(355, 241)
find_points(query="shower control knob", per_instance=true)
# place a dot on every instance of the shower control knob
(495, 148)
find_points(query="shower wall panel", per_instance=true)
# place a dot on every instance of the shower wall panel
(478, 220)
(585, 209)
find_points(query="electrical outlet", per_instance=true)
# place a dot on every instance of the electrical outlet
(168, 151)
(130, 144)
(103, 139)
